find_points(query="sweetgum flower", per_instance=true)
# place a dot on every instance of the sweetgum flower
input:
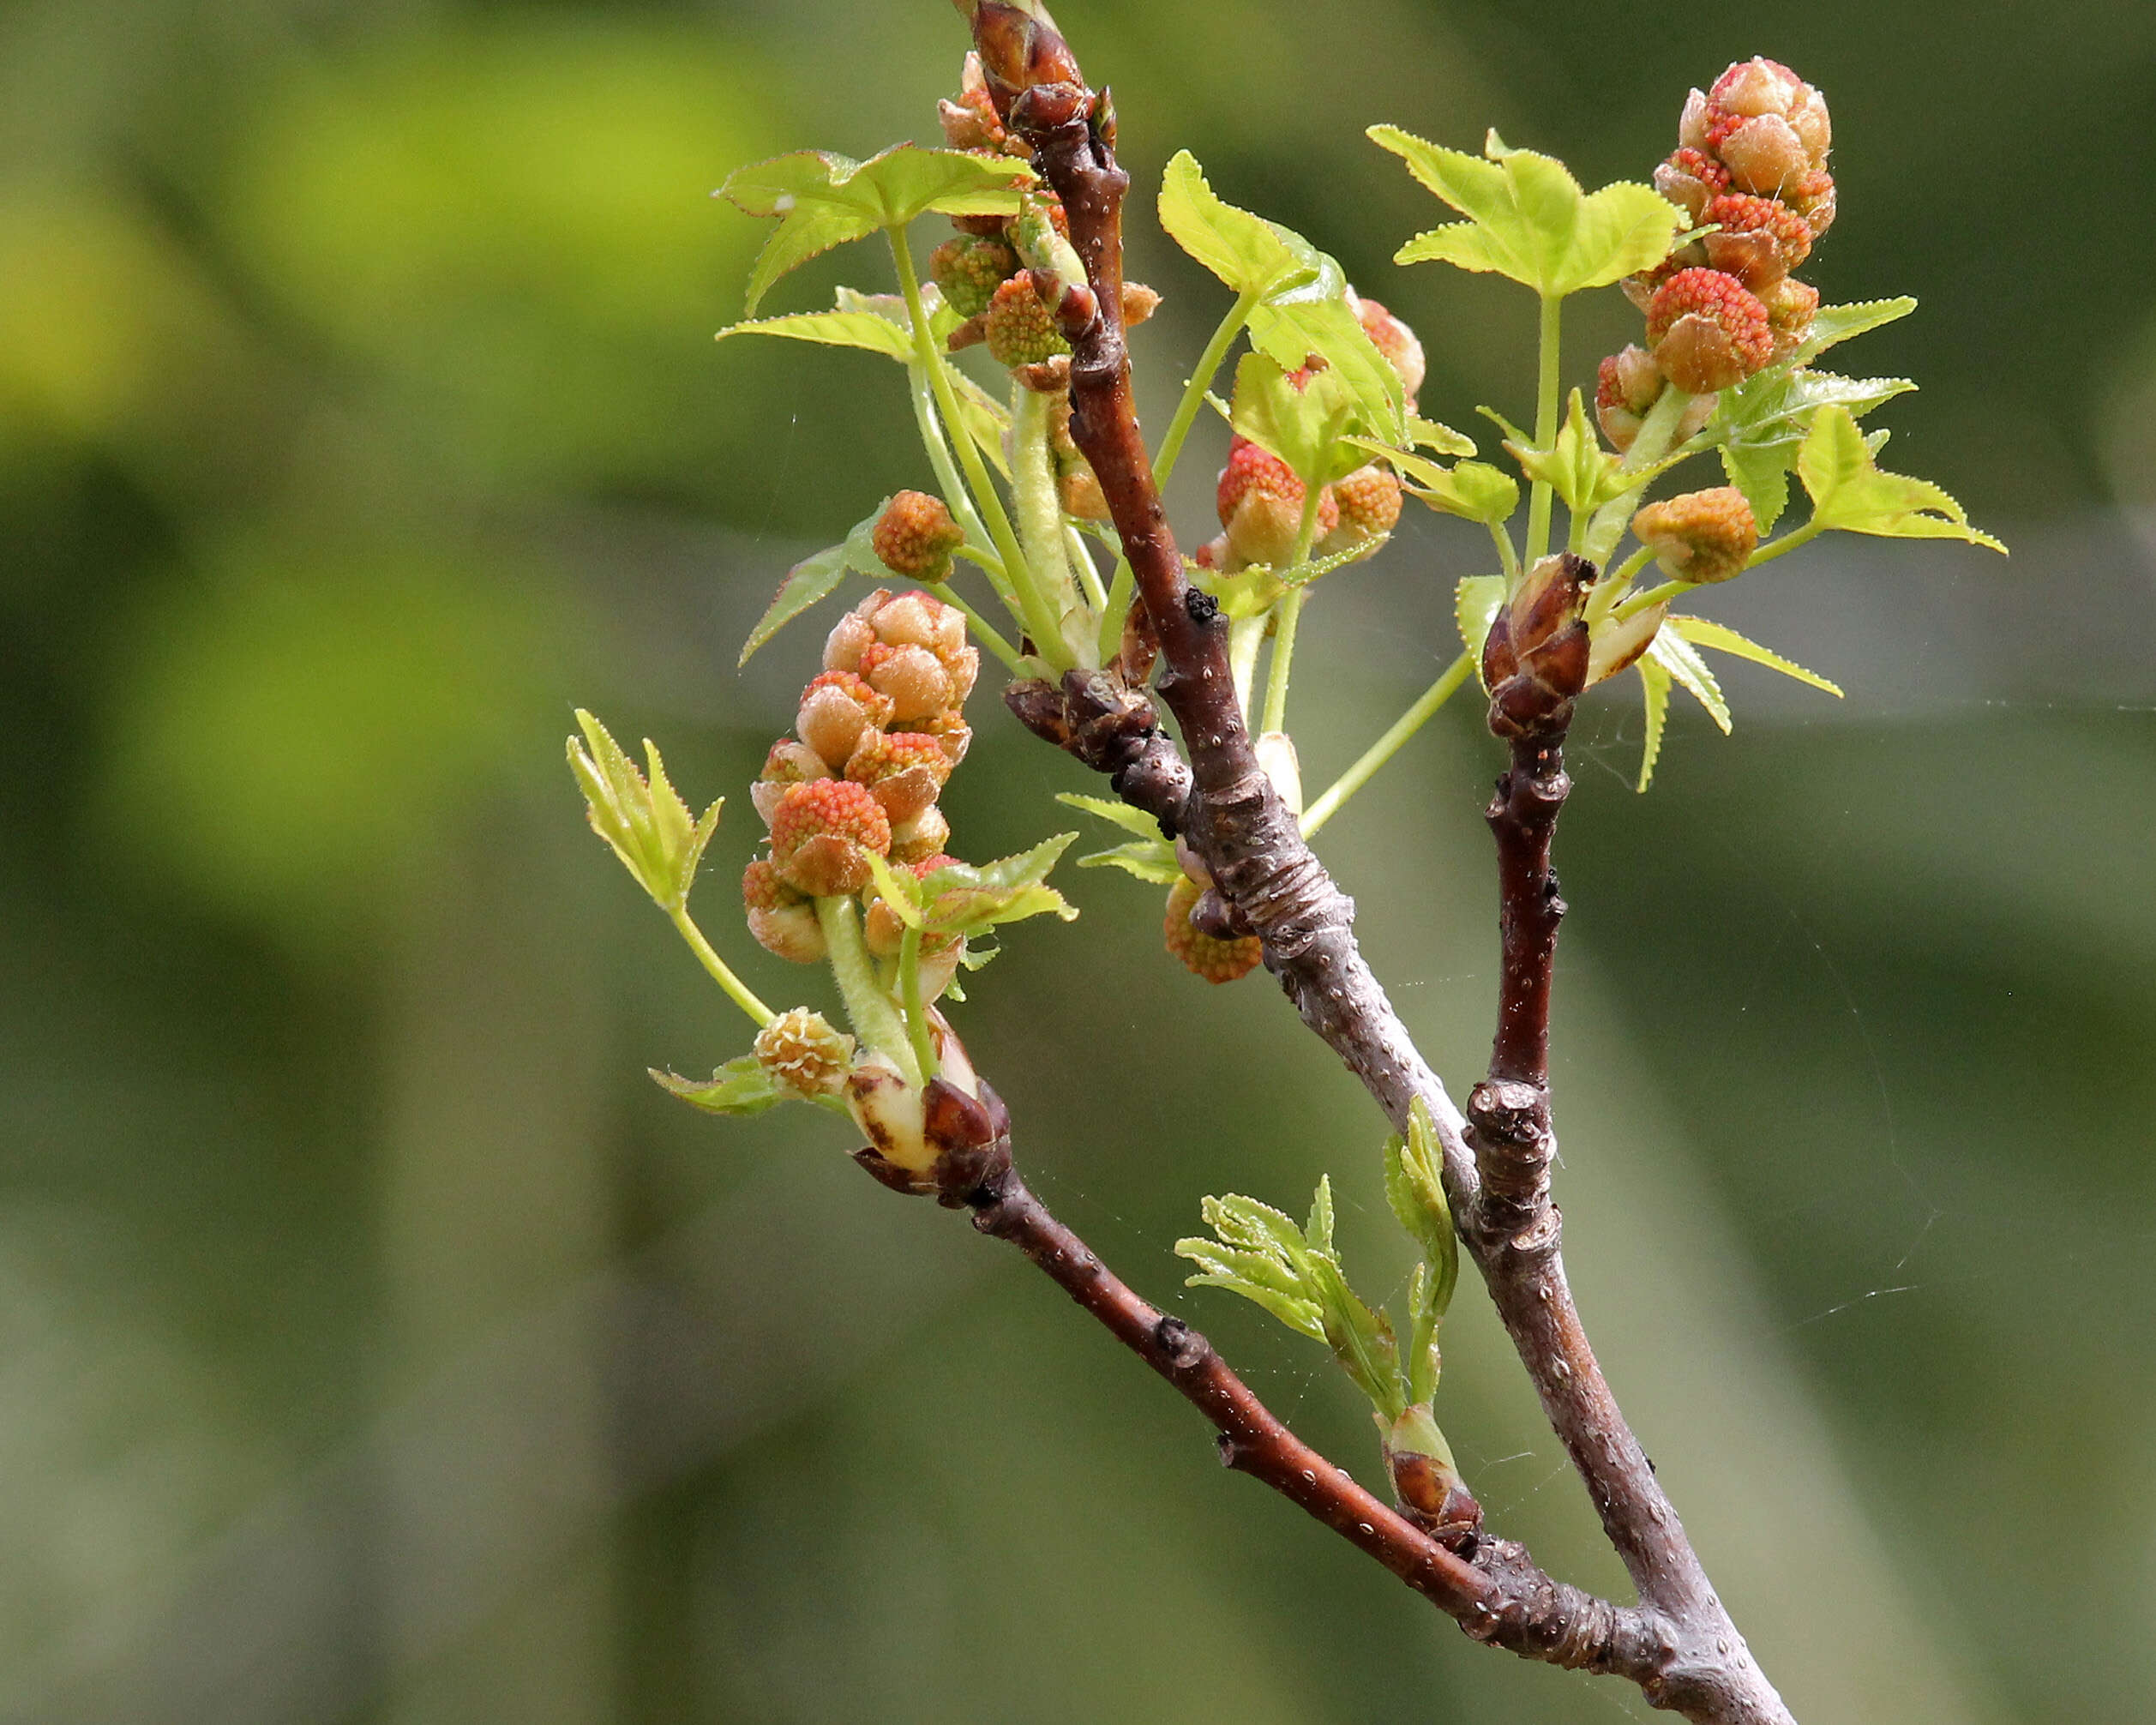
(1703, 536)
(1019, 329)
(969, 269)
(1398, 343)
(1708, 331)
(789, 763)
(1761, 240)
(803, 1056)
(819, 834)
(835, 709)
(921, 838)
(1205, 955)
(903, 770)
(1261, 504)
(1368, 503)
(915, 535)
(780, 917)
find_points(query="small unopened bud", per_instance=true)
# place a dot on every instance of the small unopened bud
(915, 535)
(1708, 331)
(1019, 329)
(904, 771)
(921, 838)
(803, 1056)
(1760, 239)
(789, 763)
(1701, 537)
(1260, 501)
(836, 707)
(1425, 1477)
(1764, 155)
(1391, 337)
(819, 832)
(1368, 503)
(1205, 955)
(782, 920)
(1534, 659)
(969, 269)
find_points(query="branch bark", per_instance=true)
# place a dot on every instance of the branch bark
(1497, 1161)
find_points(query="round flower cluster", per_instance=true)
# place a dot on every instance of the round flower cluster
(1751, 164)
(980, 272)
(879, 731)
(1260, 499)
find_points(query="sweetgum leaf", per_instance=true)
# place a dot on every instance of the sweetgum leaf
(1849, 491)
(1528, 220)
(740, 1087)
(1702, 632)
(1149, 859)
(861, 329)
(1245, 251)
(1834, 324)
(1310, 428)
(1475, 602)
(1653, 682)
(816, 578)
(1682, 661)
(1290, 334)
(1115, 814)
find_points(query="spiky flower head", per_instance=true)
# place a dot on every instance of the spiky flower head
(803, 1056)
(969, 269)
(1703, 536)
(1205, 955)
(1708, 331)
(820, 830)
(1018, 327)
(905, 769)
(915, 535)
(1261, 503)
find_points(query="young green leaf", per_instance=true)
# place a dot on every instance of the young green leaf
(815, 577)
(1832, 325)
(740, 1087)
(1311, 428)
(1849, 491)
(644, 820)
(1762, 424)
(1290, 334)
(1701, 632)
(1682, 661)
(1115, 814)
(961, 899)
(1475, 602)
(1245, 251)
(1653, 683)
(1528, 220)
(1149, 859)
(861, 329)
(824, 200)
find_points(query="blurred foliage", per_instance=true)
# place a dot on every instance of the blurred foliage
(375, 1344)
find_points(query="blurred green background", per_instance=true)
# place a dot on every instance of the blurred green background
(377, 1344)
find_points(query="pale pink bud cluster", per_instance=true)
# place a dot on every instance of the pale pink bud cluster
(877, 733)
(1751, 163)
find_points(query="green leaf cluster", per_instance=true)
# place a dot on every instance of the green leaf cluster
(1849, 490)
(823, 199)
(642, 817)
(740, 1088)
(1528, 219)
(1148, 856)
(960, 898)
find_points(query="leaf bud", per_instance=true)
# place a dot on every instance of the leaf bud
(803, 1056)
(1701, 537)
(1534, 659)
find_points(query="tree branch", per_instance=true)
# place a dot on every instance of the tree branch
(1223, 803)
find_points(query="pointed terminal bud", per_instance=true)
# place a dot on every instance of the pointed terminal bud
(1426, 1479)
(1708, 331)
(819, 833)
(1019, 47)
(905, 769)
(1204, 955)
(789, 763)
(1019, 327)
(1392, 338)
(803, 1056)
(1701, 537)
(969, 269)
(836, 707)
(1534, 659)
(1261, 502)
(915, 535)
(782, 920)
(1761, 240)
(1368, 504)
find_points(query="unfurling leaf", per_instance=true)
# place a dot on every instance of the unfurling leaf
(1701, 632)
(1528, 220)
(1414, 1188)
(643, 819)
(1245, 251)
(960, 899)
(741, 1086)
(1655, 692)
(1677, 656)
(1291, 334)
(1149, 859)
(1849, 491)
(1832, 325)
(824, 200)
(1312, 428)
(816, 578)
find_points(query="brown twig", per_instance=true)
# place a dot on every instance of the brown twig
(1495, 1592)
(1254, 850)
